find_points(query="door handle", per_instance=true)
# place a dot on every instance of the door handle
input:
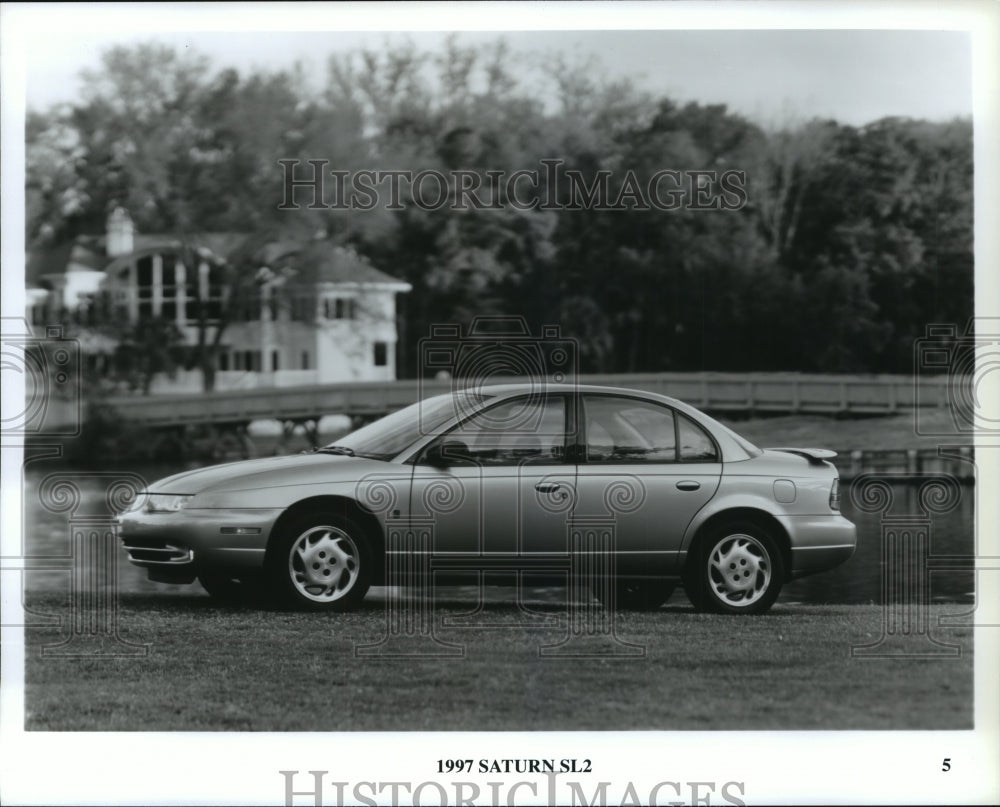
(552, 488)
(688, 484)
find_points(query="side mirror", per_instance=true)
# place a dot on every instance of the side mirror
(447, 452)
(435, 456)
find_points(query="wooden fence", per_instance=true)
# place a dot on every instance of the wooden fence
(713, 392)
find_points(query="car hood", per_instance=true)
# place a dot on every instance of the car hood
(269, 472)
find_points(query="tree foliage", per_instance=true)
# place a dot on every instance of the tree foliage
(852, 239)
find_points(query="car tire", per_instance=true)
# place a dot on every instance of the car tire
(735, 569)
(641, 595)
(320, 562)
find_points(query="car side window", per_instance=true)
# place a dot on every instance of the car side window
(628, 430)
(524, 430)
(695, 444)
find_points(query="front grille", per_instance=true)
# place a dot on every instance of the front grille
(154, 550)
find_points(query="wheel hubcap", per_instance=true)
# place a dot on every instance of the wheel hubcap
(739, 570)
(323, 564)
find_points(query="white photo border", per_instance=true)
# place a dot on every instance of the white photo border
(776, 766)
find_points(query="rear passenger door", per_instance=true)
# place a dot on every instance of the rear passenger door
(649, 466)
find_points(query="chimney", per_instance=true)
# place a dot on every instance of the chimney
(120, 232)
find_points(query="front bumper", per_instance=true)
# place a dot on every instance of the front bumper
(176, 547)
(819, 543)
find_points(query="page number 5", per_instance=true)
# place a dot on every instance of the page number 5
(946, 764)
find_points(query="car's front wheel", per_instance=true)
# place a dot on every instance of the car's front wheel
(320, 562)
(737, 569)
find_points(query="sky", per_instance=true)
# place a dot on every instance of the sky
(775, 77)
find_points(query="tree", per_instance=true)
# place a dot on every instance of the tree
(851, 241)
(55, 192)
(163, 136)
(259, 259)
(889, 213)
(146, 349)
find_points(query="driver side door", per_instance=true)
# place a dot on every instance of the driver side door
(505, 492)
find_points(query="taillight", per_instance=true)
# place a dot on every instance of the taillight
(835, 494)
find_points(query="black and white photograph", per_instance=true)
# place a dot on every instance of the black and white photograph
(500, 403)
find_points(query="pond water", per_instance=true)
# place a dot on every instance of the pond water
(857, 581)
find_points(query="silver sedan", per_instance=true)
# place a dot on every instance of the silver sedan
(639, 490)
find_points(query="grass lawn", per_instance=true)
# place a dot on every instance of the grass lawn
(229, 668)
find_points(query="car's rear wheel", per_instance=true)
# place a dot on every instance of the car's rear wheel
(737, 569)
(641, 595)
(320, 562)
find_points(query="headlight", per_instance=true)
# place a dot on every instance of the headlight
(164, 503)
(138, 503)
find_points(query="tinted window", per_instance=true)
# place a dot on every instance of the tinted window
(386, 437)
(696, 445)
(511, 433)
(628, 430)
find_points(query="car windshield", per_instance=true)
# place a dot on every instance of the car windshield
(388, 436)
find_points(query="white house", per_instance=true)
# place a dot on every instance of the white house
(333, 319)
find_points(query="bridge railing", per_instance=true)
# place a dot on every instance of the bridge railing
(713, 392)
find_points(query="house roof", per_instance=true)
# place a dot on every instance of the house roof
(315, 261)
(221, 244)
(324, 262)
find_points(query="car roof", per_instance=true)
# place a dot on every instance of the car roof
(527, 387)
